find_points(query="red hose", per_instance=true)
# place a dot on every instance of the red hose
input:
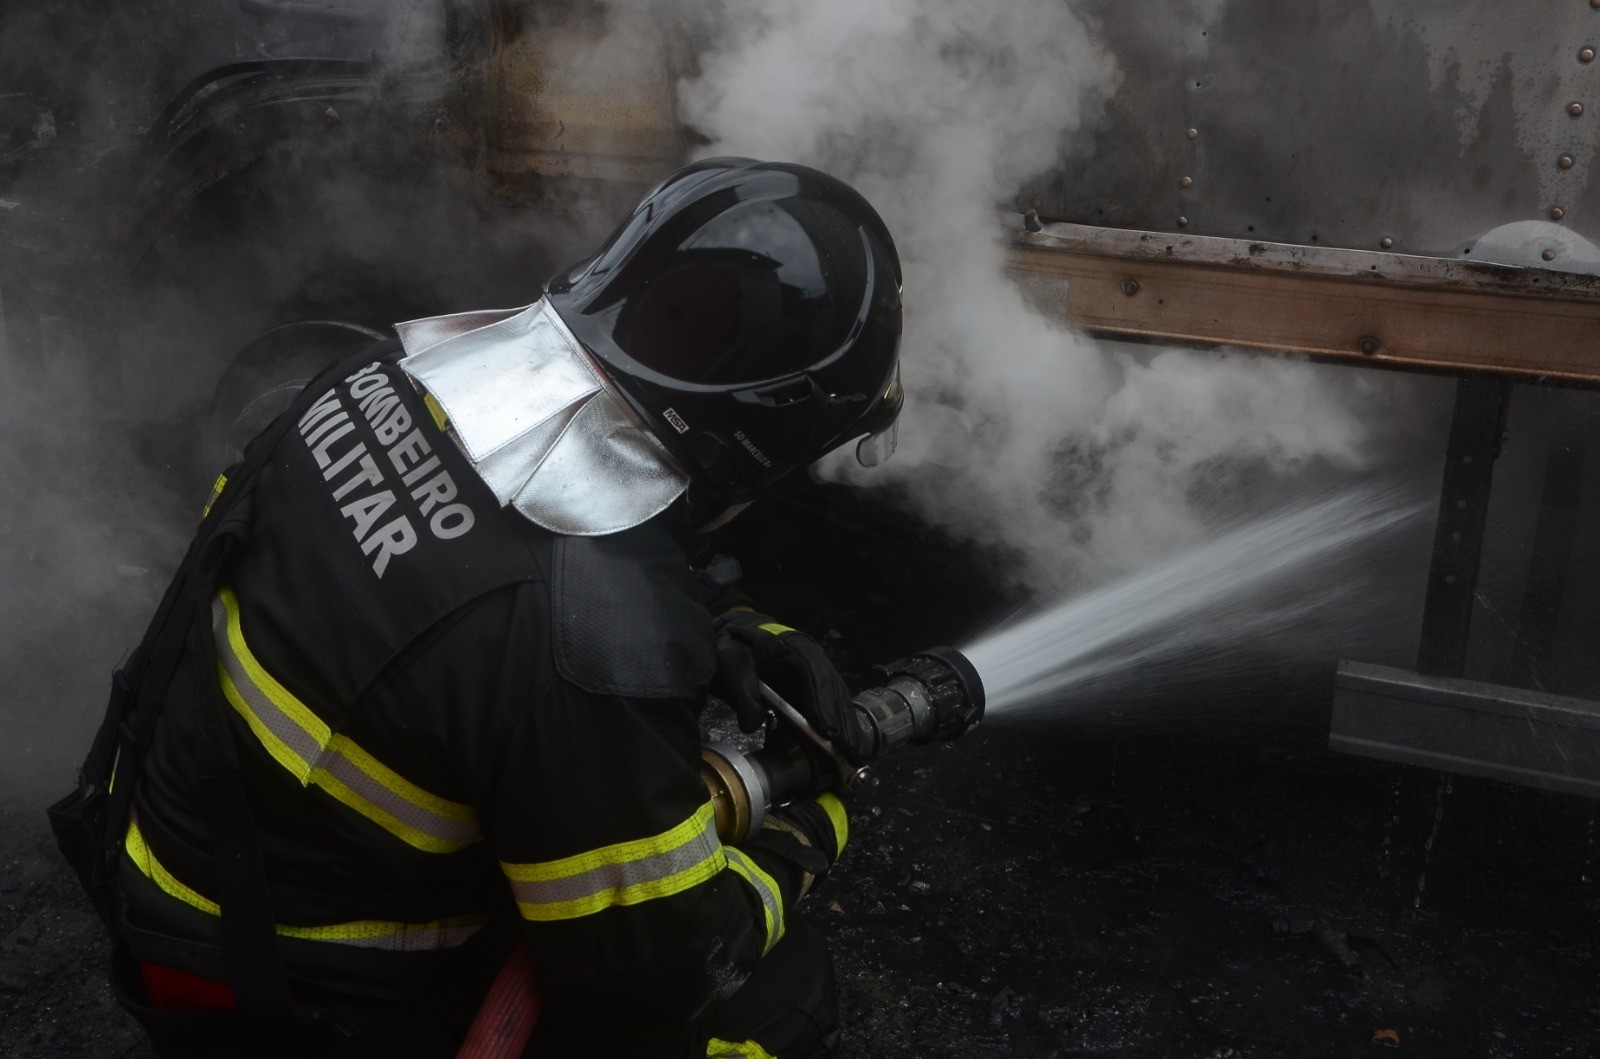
(509, 1011)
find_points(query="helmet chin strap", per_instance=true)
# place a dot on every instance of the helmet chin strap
(728, 514)
(703, 509)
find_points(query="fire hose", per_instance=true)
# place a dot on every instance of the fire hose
(932, 696)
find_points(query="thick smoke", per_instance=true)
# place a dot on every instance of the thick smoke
(90, 539)
(1091, 460)
(1088, 460)
(105, 394)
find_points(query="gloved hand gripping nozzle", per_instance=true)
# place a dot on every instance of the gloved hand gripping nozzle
(933, 696)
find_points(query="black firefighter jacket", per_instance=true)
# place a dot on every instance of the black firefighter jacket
(448, 719)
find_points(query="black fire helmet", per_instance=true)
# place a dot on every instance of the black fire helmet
(750, 313)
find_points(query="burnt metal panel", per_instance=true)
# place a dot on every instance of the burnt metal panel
(1550, 558)
(1524, 737)
(1426, 123)
(1477, 425)
(1372, 307)
(569, 99)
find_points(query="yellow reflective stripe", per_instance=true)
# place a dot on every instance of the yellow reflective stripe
(637, 849)
(216, 491)
(766, 889)
(294, 746)
(280, 751)
(774, 628)
(360, 933)
(830, 804)
(315, 755)
(719, 1049)
(341, 750)
(634, 894)
(626, 873)
(392, 936)
(436, 410)
(139, 852)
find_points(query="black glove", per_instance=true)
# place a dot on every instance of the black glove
(752, 647)
(807, 836)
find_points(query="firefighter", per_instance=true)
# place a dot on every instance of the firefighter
(453, 668)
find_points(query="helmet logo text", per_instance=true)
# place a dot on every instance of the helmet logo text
(678, 424)
(750, 447)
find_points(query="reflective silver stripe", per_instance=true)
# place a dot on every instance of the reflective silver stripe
(766, 889)
(300, 744)
(334, 763)
(305, 745)
(627, 873)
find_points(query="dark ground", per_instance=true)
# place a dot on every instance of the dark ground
(1040, 896)
(1044, 888)
(1032, 894)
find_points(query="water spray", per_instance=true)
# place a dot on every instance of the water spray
(1216, 590)
(1219, 593)
(933, 696)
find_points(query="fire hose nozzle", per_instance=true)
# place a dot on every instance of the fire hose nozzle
(932, 696)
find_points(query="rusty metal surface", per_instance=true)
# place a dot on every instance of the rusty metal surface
(570, 99)
(1372, 307)
(1425, 122)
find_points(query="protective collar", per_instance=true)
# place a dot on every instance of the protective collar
(542, 426)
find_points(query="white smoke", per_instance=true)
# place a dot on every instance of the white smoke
(1090, 460)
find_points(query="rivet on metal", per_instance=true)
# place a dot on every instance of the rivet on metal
(1586, 55)
(1386, 242)
(1575, 109)
(1556, 213)
(1370, 345)
(1565, 162)
(1186, 182)
(1193, 134)
(1183, 222)
(1549, 255)
(1130, 287)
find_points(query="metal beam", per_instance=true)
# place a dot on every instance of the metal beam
(1524, 737)
(1375, 308)
(1549, 560)
(1476, 429)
